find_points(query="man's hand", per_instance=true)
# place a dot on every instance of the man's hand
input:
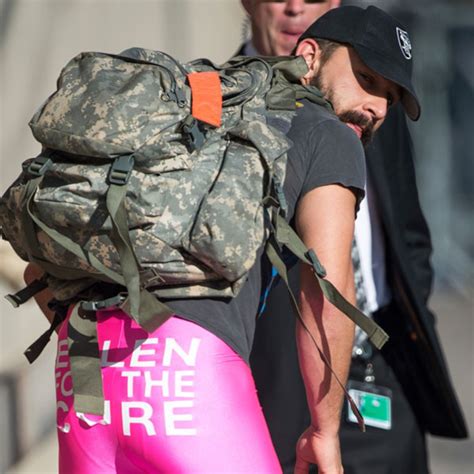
(33, 272)
(314, 448)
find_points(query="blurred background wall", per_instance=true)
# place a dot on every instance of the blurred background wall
(37, 37)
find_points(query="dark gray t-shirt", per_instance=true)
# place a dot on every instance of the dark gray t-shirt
(325, 151)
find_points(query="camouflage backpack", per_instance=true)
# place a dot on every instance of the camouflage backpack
(164, 179)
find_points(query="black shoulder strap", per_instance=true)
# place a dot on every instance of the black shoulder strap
(285, 235)
(22, 296)
(276, 259)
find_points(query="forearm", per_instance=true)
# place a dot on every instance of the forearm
(333, 332)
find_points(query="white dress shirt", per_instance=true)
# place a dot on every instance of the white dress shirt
(371, 246)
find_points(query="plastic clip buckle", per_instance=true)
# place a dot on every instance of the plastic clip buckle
(40, 165)
(98, 305)
(121, 170)
(280, 194)
(180, 97)
(193, 134)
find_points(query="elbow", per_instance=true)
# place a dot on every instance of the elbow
(32, 272)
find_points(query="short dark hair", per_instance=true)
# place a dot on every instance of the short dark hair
(327, 48)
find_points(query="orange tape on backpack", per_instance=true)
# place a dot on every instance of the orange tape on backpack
(206, 97)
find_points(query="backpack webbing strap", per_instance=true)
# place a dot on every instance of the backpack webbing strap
(144, 307)
(287, 236)
(64, 273)
(277, 261)
(35, 349)
(85, 366)
(70, 245)
(149, 307)
(29, 229)
(121, 239)
(84, 359)
(26, 293)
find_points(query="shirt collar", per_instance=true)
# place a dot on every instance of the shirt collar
(249, 49)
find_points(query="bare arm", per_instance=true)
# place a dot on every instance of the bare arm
(33, 272)
(325, 222)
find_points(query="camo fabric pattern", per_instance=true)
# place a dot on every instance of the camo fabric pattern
(195, 216)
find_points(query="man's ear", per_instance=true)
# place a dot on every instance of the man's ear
(311, 52)
(333, 3)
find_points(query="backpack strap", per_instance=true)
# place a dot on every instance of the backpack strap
(142, 313)
(35, 349)
(29, 218)
(84, 358)
(144, 307)
(140, 304)
(29, 229)
(286, 85)
(274, 255)
(285, 235)
(22, 296)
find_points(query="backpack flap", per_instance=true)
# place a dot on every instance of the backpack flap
(108, 105)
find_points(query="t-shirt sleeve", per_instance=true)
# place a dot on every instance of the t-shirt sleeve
(328, 153)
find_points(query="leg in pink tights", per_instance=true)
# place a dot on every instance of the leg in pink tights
(178, 400)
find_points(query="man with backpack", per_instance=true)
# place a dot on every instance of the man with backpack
(394, 246)
(179, 396)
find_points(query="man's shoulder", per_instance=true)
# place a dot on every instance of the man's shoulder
(318, 125)
(309, 112)
(325, 151)
(310, 116)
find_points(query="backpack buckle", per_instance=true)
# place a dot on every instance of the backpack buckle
(281, 198)
(26, 293)
(193, 135)
(113, 302)
(40, 165)
(121, 170)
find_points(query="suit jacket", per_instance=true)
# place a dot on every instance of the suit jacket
(414, 350)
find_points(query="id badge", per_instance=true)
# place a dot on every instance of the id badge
(374, 403)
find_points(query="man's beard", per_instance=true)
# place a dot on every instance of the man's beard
(360, 120)
(348, 116)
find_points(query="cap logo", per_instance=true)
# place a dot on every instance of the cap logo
(404, 43)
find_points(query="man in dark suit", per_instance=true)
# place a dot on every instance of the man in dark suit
(410, 377)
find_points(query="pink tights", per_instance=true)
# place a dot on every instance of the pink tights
(178, 400)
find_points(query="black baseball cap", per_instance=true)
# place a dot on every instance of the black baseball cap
(379, 39)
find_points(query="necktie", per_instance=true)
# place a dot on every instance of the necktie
(362, 347)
